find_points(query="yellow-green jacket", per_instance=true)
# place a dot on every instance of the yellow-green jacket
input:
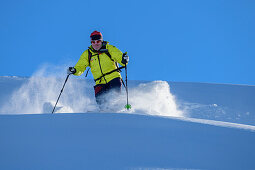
(100, 63)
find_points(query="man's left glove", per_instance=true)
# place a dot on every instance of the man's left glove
(125, 58)
(71, 70)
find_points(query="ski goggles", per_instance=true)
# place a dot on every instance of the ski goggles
(95, 41)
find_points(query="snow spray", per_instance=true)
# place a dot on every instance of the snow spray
(39, 94)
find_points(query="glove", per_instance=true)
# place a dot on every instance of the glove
(71, 70)
(125, 58)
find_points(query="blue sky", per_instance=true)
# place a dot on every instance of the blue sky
(195, 41)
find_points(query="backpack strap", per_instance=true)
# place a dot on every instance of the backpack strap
(89, 58)
(109, 55)
(118, 69)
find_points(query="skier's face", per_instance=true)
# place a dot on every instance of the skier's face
(96, 44)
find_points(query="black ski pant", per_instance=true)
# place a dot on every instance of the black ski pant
(102, 89)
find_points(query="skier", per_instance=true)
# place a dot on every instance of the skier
(103, 60)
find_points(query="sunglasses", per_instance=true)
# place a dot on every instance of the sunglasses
(95, 41)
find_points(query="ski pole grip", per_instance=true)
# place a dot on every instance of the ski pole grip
(124, 58)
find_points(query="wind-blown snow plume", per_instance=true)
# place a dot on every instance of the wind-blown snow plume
(40, 92)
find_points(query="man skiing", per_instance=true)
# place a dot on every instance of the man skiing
(103, 60)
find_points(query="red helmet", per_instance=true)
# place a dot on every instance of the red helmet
(96, 35)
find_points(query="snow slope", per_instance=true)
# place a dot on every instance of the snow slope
(172, 125)
(120, 141)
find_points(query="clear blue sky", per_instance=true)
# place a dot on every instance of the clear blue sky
(182, 40)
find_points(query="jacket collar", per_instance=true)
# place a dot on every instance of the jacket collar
(102, 49)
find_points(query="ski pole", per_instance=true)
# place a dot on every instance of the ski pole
(128, 106)
(60, 93)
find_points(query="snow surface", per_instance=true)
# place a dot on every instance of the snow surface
(172, 125)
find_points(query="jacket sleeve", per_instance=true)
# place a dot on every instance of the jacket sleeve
(82, 64)
(116, 54)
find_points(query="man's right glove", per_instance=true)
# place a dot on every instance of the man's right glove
(71, 70)
(125, 58)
